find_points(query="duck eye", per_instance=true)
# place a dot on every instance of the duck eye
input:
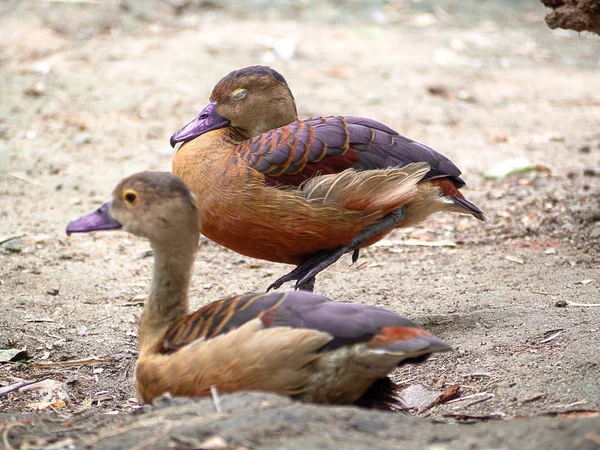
(239, 94)
(130, 197)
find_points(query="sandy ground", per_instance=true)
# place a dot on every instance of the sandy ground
(91, 92)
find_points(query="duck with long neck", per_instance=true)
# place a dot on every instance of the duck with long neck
(168, 296)
(154, 208)
(291, 343)
(260, 172)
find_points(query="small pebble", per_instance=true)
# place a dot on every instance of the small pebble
(595, 233)
(36, 90)
(585, 149)
(5, 342)
(590, 172)
(82, 138)
(560, 304)
(42, 68)
(52, 291)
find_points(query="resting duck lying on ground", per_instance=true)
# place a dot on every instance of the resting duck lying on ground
(292, 343)
(256, 169)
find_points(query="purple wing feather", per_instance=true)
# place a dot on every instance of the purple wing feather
(347, 323)
(350, 323)
(295, 152)
(390, 149)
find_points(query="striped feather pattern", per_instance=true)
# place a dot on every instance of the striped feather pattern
(346, 323)
(291, 154)
(289, 150)
(217, 318)
(380, 189)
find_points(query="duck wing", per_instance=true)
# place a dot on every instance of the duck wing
(347, 323)
(291, 154)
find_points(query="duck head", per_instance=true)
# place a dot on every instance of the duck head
(252, 100)
(154, 205)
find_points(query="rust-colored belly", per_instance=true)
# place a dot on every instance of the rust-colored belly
(241, 212)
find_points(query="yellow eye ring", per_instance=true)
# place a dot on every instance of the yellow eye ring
(239, 93)
(130, 197)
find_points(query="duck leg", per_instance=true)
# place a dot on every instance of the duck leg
(305, 273)
(308, 285)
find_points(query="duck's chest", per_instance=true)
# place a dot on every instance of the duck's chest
(211, 169)
(222, 183)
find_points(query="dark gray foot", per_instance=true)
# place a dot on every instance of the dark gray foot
(306, 272)
(309, 285)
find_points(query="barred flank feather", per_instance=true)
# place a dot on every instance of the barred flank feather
(380, 189)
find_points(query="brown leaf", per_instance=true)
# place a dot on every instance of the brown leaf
(448, 394)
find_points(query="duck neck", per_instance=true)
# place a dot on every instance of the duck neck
(278, 112)
(168, 298)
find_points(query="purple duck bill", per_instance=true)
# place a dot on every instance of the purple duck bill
(208, 120)
(96, 221)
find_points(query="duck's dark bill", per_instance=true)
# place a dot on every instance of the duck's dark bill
(208, 120)
(96, 221)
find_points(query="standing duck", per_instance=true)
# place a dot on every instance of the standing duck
(257, 169)
(292, 343)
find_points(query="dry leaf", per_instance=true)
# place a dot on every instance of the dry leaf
(12, 354)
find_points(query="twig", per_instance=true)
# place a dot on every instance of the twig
(67, 430)
(11, 238)
(481, 375)
(460, 416)
(74, 362)
(577, 102)
(22, 178)
(15, 387)
(408, 380)
(570, 405)
(533, 398)
(554, 336)
(468, 397)
(126, 373)
(90, 2)
(104, 319)
(362, 265)
(481, 400)
(583, 305)
(215, 397)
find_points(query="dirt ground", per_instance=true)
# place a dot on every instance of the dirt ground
(92, 91)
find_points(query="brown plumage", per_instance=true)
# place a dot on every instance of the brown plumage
(255, 166)
(292, 343)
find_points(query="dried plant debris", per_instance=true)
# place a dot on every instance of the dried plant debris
(12, 354)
